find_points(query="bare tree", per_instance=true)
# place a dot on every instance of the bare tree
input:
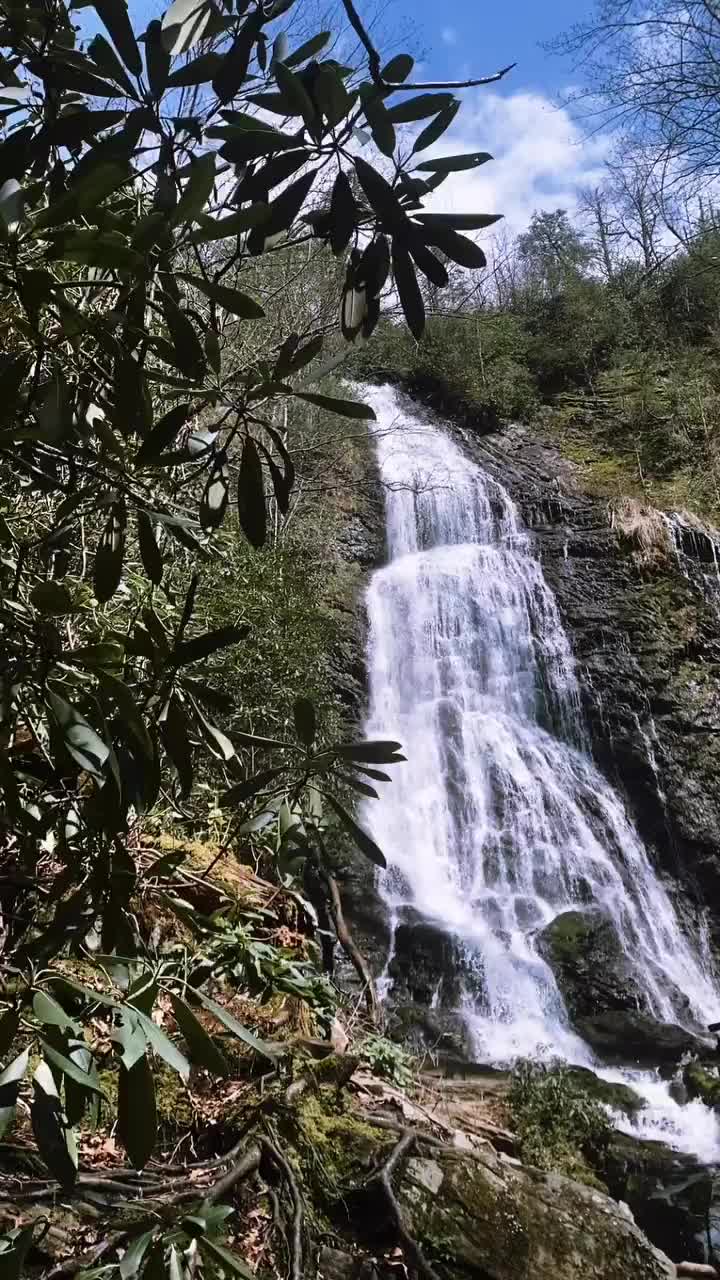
(652, 68)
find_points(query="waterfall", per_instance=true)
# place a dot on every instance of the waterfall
(499, 821)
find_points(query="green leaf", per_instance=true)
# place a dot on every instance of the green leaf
(189, 353)
(458, 221)
(10, 1080)
(163, 433)
(137, 1112)
(233, 69)
(378, 118)
(308, 50)
(202, 646)
(380, 194)
(293, 89)
(431, 266)
(408, 289)
(420, 107)
(373, 750)
(452, 164)
(221, 228)
(343, 213)
(107, 653)
(183, 25)
(240, 304)
(114, 15)
(305, 720)
(129, 713)
(398, 68)
(55, 1139)
(157, 59)
(252, 512)
(202, 1048)
(104, 249)
(51, 598)
(174, 730)
(214, 501)
(463, 251)
(163, 1046)
(331, 95)
(228, 1262)
(48, 1011)
(361, 838)
(283, 211)
(150, 552)
(72, 1070)
(250, 787)
(176, 1270)
(236, 1027)
(106, 59)
(132, 1259)
(81, 741)
(346, 408)
(107, 568)
(199, 71)
(12, 1260)
(198, 190)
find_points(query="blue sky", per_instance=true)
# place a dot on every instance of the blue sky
(542, 155)
(467, 35)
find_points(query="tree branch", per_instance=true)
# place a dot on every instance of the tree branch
(375, 71)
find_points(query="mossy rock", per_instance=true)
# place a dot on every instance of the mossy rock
(620, 1097)
(484, 1218)
(590, 966)
(702, 1080)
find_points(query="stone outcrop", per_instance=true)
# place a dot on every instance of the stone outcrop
(499, 1221)
(590, 966)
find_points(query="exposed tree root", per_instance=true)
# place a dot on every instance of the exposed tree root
(413, 1253)
(296, 1242)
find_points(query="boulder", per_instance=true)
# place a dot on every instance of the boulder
(590, 966)
(668, 1192)
(622, 1036)
(429, 966)
(488, 1218)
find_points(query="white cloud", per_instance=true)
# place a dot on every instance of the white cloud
(540, 157)
(449, 35)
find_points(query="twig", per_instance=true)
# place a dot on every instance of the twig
(296, 1260)
(98, 1251)
(375, 70)
(350, 948)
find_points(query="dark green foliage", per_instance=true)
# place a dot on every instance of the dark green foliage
(166, 617)
(560, 1126)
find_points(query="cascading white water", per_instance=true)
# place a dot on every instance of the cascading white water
(500, 821)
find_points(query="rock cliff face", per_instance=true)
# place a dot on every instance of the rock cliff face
(646, 639)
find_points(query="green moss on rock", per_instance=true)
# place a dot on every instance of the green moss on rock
(703, 1081)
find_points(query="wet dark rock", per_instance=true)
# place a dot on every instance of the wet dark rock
(590, 966)
(630, 1038)
(440, 1032)
(429, 966)
(670, 1194)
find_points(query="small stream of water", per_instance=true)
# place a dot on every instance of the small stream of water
(500, 820)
